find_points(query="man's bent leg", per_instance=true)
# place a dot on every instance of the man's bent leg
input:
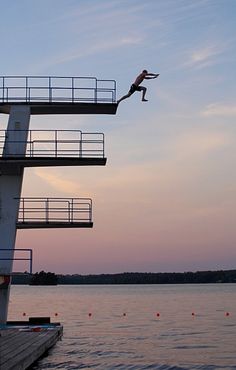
(144, 90)
(124, 97)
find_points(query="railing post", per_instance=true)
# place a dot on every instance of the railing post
(50, 89)
(31, 261)
(103, 146)
(30, 144)
(23, 209)
(90, 211)
(26, 88)
(80, 145)
(56, 138)
(72, 210)
(72, 85)
(96, 91)
(47, 210)
(114, 99)
(3, 88)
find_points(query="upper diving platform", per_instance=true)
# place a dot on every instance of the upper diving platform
(58, 95)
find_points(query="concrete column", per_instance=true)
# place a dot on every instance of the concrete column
(10, 189)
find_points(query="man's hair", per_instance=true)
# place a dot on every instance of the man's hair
(145, 71)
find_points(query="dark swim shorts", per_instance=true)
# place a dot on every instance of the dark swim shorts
(134, 88)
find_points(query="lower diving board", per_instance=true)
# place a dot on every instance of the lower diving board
(22, 345)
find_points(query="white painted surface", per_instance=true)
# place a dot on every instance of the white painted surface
(10, 190)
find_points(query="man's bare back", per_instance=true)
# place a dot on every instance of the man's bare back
(139, 79)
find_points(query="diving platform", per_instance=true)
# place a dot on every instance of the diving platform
(58, 95)
(13, 165)
(48, 213)
(54, 225)
(38, 108)
(45, 148)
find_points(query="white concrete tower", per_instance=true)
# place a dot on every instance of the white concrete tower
(10, 191)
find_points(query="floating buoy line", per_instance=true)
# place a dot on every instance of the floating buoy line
(124, 314)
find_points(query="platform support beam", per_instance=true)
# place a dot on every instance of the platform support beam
(10, 192)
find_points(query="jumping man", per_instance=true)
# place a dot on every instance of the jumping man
(136, 85)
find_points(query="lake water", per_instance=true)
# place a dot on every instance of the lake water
(135, 327)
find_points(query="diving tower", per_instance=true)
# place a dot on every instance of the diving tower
(20, 147)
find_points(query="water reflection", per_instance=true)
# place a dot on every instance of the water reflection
(140, 339)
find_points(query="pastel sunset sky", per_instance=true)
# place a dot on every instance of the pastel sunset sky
(166, 200)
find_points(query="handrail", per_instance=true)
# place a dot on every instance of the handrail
(49, 89)
(46, 210)
(30, 258)
(54, 143)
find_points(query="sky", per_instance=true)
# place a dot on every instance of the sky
(166, 200)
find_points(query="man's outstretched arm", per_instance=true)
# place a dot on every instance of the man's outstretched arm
(150, 76)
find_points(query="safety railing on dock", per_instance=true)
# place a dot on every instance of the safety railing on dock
(31, 89)
(56, 210)
(53, 143)
(25, 255)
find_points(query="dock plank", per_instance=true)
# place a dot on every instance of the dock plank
(20, 349)
(17, 344)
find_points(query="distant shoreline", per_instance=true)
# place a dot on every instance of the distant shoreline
(136, 278)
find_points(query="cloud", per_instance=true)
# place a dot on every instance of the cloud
(57, 183)
(90, 26)
(194, 143)
(97, 47)
(88, 50)
(218, 109)
(200, 56)
(203, 57)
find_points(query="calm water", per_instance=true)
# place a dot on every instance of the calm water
(124, 331)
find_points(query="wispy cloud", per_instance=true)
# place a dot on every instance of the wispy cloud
(204, 142)
(95, 29)
(196, 145)
(204, 57)
(219, 109)
(200, 56)
(57, 183)
(97, 47)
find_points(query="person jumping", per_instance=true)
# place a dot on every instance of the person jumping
(136, 85)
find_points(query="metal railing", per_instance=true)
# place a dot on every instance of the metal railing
(46, 210)
(5, 251)
(54, 143)
(32, 89)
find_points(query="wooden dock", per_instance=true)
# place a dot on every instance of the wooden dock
(22, 345)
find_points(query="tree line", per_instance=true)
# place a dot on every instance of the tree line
(199, 277)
